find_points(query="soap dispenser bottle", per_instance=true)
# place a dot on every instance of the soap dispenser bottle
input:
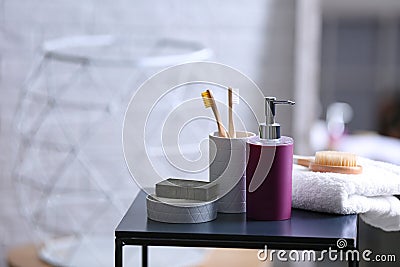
(269, 169)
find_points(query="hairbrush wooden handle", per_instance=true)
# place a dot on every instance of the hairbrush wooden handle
(337, 169)
(302, 160)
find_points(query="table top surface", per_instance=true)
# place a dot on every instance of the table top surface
(304, 226)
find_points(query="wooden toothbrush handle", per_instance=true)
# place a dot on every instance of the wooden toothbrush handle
(221, 130)
(231, 127)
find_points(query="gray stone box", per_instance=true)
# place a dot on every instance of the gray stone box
(187, 189)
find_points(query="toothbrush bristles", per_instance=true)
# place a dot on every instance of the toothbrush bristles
(235, 96)
(207, 100)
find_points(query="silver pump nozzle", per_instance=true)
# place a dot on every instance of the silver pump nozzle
(270, 129)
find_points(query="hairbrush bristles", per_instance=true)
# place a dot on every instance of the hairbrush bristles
(336, 158)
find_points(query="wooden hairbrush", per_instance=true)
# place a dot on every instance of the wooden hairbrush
(330, 161)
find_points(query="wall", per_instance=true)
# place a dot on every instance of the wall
(360, 65)
(254, 36)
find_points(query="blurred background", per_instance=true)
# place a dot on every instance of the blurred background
(68, 69)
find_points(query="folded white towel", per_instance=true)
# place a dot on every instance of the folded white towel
(370, 193)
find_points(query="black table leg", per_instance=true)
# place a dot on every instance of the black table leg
(353, 263)
(118, 253)
(144, 256)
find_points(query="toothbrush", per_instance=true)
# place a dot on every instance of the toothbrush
(209, 101)
(233, 98)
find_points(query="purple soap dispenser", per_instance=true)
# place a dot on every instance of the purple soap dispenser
(269, 169)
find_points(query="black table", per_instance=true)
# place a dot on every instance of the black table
(304, 231)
